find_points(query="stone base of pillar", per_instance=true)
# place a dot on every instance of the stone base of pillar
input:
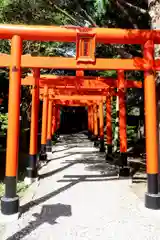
(109, 154)
(49, 145)
(10, 206)
(102, 147)
(42, 157)
(10, 201)
(124, 172)
(152, 201)
(89, 134)
(32, 169)
(123, 159)
(96, 142)
(152, 197)
(109, 157)
(109, 148)
(122, 162)
(42, 154)
(92, 138)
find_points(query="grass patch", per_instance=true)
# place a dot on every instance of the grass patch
(21, 188)
(1, 189)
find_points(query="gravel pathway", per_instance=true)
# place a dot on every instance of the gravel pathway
(79, 197)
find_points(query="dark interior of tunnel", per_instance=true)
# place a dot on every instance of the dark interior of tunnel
(73, 120)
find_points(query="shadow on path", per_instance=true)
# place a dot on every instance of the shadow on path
(49, 214)
(71, 154)
(98, 164)
(72, 182)
(26, 207)
(48, 174)
(69, 147)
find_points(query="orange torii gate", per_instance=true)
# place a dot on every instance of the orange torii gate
(80, 91)
(85, 38)
(81, 85)
(46, 139)
(60, 94)
(76, 103)
(93, 85)
(100, 98)
(47, 109)
(78, 82)
(93, 119)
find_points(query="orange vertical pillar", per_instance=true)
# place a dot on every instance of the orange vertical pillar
(152, 197)
(98, 120)
(53, 123)
(31, 174)
(43, 155)
(92, 122)
(95, 126)
(122, 119)
(49, 127)
(57, 119)
(10, 201)
(101, 126)
(89, 121)
(109, 125)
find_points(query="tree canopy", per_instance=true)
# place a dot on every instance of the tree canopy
(90, 13)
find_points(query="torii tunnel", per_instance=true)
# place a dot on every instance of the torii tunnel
(87, 94)
(86, 87)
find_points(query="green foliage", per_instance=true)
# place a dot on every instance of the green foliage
(3, 121)
(21, 187)
(103, 13)
(1, 189)
(111, 73)
(131, 133)
(101, 6)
